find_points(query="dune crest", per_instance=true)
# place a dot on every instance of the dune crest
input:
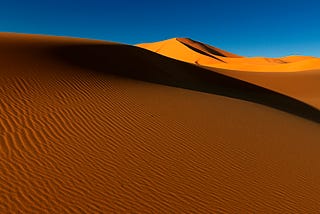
(99, 127)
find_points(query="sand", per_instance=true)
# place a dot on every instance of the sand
(194, 52)
(294, 76)
(98, 127)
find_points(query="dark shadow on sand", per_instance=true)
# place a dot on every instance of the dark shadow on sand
(136, 63)
(204, 53)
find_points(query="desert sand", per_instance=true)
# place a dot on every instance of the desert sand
(99, 127)
(191, 51)
(295, 76)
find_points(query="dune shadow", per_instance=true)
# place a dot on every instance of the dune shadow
(140, 64)
(204, 53)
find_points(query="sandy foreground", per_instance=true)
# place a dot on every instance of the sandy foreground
(99, 127)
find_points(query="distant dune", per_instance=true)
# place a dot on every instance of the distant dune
(98, 127)
(187, 50)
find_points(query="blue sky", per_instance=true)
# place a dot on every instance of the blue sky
(270, 28)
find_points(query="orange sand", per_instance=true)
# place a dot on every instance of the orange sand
(283, 75)
(98, 127)
(194, 52)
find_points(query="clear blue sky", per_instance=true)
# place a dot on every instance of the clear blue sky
(247, 27)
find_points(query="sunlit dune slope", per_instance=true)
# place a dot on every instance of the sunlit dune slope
(98, 127)
(195, 52)
(175, 49)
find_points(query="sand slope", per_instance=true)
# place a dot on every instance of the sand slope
(191, 51)
(98, 127)
(304, 86)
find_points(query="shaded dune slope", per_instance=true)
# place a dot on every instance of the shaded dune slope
(144, 65)
(204, 48)
(304, 86)
(85, 129)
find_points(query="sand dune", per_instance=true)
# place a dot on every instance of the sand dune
(98, 127)
(282, 75)
(198, 53)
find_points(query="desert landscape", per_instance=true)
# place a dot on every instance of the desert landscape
(176, 126)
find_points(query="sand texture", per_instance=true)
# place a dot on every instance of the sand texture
(99, 127)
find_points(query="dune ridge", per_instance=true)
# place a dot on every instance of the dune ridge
(208, 49)
(99, 127)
